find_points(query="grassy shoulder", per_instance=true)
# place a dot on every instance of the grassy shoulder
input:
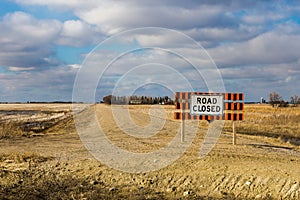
(264, 120)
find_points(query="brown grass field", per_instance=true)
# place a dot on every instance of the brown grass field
(42, 157)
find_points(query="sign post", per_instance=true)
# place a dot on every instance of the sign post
(209, 107)
(233, 134)
(182, 130)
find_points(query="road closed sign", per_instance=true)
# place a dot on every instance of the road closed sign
(207, 105)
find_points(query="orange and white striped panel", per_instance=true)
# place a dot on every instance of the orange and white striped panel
(182, 103)
(234, 106)
(226, 116)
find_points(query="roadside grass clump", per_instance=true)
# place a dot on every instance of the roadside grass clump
(18, 128)
(11, 129)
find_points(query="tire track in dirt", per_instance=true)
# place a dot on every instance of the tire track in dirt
(217, 183)
(256, 187)
(261, 181)
(291, 190)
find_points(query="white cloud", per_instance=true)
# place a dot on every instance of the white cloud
(25, 29)
(75, 66)
(16, 69)
(26, 41)
(273, 47)
(49, 85)
(259, 80)
(77, 33)
(113, 16)
(120, 15)
(257, 41)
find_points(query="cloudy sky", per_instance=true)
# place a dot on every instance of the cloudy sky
(254, 45)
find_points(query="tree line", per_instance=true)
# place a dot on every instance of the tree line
(134, 99)
(277, 101)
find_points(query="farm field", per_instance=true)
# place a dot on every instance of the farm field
(43, 157)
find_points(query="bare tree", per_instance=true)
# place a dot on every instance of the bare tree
(295, 100)
(275, 99)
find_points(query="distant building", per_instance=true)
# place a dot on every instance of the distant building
(135, 101)
(262, 100)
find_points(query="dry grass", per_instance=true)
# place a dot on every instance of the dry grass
(11, 129)
(267, 121)
(36, 124)
(20, 157)
(262, 120)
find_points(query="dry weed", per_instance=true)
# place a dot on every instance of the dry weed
(272, 122)
(10, 129)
